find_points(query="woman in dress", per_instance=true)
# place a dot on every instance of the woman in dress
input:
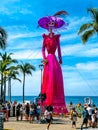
(52, 82)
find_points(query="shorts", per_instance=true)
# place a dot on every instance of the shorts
(85, 121)
(73, 122)
(48, 120)
(89, 117)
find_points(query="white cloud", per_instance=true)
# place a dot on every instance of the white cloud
(76, 22)
(80, 50)
(13, 7)
(93, 52)
(21, 35)
(90, 66)
(68, 37)
(77, 81)
(25, 11)
(27, 54)
(72, 50)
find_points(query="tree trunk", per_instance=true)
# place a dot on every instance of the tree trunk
(23, 86)
(10, 93)
(9, 90)
(4, 94)
(1, 94)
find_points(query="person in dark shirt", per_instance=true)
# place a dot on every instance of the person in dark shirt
(27, 111)
(85, 117)
(17, 112)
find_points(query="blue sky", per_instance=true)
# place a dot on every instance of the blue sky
(80, 62)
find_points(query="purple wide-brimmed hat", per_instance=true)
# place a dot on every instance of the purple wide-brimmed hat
(58, 22)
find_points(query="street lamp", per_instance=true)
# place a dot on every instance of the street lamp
(41, 68)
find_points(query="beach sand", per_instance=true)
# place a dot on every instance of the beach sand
(58, 124)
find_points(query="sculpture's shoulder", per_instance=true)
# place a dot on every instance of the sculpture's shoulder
(44, 35)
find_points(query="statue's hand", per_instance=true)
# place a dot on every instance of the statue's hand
(45, 61)
(60, 61)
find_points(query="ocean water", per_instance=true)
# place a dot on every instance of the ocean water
(74, 99)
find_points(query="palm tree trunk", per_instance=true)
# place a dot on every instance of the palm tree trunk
(4, 96)
(23, 86)
(10, 94)
(1, 88)
(9, 90)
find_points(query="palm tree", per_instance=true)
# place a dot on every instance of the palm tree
(3, 38)
(89, 29)
(6, 61)
(3, 78)
(25, 68)
(12, 75)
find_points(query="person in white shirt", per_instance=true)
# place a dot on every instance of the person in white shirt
(90, 109)
(48, 116)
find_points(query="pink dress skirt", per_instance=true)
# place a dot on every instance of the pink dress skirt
(52, 85)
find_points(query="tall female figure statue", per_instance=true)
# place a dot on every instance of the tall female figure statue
(52, 82)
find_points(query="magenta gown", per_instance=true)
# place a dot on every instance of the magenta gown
(52, 82)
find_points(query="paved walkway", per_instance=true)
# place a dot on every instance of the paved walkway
(89, 129)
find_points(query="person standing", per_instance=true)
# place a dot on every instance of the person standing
(48, 116)
(74, 115)
(94, 119)
(31, 113)
(27, 110)
(85, 117)
(90, 109)
(17, 112)
(21, 112)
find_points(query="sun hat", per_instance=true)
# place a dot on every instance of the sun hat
(55, 20)
(43, 22)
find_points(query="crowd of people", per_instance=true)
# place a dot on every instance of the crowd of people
(18, 110)
(31, 112)
(25, 111)
(88, 112)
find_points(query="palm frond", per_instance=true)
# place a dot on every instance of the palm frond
(2, 44)
(3, 33)
(85, 27)
(94, 14)
(17, 79)
(92, 11)
(97, 17)
(26, 68)
(3, 38)
(87, 35)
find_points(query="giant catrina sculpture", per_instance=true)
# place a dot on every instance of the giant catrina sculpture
(52, 81)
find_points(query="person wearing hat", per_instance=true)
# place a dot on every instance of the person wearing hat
(52, 82)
